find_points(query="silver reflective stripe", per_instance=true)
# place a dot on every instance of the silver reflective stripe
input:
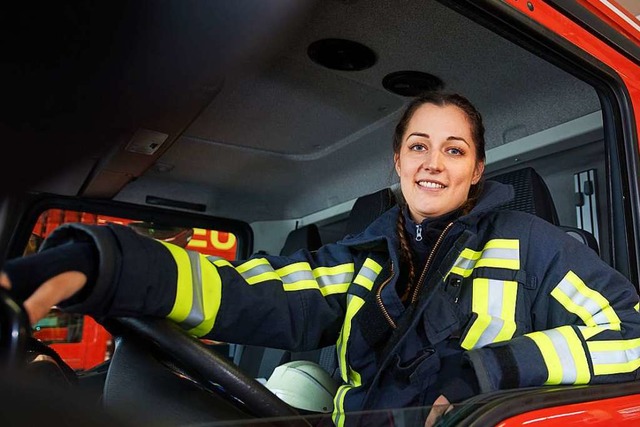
(513, 254)
(495, 295)
(465, 264)
(569, 373)
(583, 301)
(334, 279)
(615, 356)
(368, 273)
(256, 271)
(196, 314)
(297, 276)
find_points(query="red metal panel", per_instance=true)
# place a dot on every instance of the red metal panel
(617, 412)
(627, 25)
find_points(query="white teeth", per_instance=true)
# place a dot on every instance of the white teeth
(430, 184)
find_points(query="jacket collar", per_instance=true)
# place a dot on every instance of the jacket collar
(381, 233)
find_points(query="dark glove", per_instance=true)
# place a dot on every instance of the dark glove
(457, 380)
(29, 272)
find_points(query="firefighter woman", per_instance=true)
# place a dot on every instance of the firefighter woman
(442, 297)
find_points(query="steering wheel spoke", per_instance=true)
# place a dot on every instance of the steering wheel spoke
(209, 368)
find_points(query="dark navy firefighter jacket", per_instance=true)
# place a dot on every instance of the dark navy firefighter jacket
(513, 296)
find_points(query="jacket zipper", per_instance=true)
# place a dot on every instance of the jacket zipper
(379, 300)
(424, 271)
(418, 233)
(416, 290)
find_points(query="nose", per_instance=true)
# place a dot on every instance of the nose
(433, 161)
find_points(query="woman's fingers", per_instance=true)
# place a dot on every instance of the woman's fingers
(439, 408)
(52, 292)
(4, 281)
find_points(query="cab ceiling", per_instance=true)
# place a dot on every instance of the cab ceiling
(290, 137)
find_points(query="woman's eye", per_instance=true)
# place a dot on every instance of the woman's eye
(455, 151)
(417, 147)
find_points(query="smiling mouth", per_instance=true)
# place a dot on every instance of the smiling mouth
(431, 184)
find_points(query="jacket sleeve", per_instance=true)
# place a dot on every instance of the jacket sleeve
(584, 316)
(294, 302)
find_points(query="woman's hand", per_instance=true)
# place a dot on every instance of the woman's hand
(50, 293)
(440, 407)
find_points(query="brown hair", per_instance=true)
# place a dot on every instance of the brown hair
(440, 99)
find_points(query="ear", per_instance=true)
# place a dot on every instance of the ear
(396, 162)
(477, 173)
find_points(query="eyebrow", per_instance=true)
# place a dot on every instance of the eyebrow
(450, 138)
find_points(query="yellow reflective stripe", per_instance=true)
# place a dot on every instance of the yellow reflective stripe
(368, 274)
(550, 356)
(509, 297)
(330, 271)
(481, 323)
(263, 271)
(300, 285)
(293, 268)
(480, 306)
(222, 263)
(354, 303)
(614, 356)
(334, 289)
(563, 354)
(613, 345)
(212, 295)
(338, 415)
(465, 263)
(355, 377)
(510, 245)
(502, 244)
(251, 264)
(184, 290)
(494, 304)
(637, 307)
(583, 375)
(262, 277)
(572, 307)
(605, 307)
(470, 259)
(616, 368)
(327, 276)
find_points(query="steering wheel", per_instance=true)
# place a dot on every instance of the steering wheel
(204, 365)
(207, 367)
(14, 330)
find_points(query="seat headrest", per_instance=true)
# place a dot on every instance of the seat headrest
(582, 236)
(369, 207)
(305, 237)
(531, 193)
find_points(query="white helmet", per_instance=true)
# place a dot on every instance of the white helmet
(303, 385)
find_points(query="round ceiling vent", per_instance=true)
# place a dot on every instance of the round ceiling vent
(341, 54)
(411, 83)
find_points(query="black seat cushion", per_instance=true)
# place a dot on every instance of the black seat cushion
(369, 207)
(307, 237)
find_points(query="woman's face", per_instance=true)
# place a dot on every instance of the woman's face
(437, 161)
